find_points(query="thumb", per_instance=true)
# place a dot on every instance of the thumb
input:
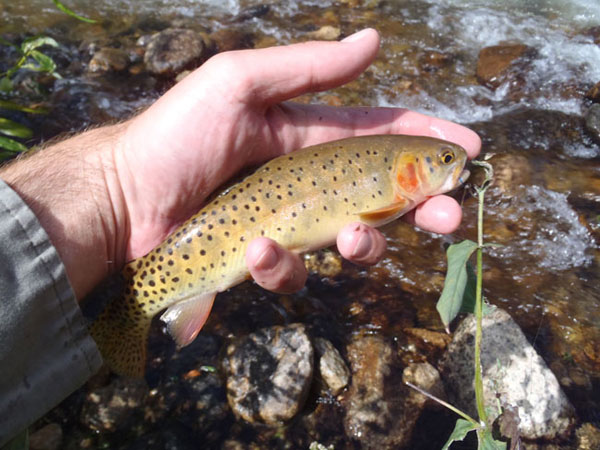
(277, 74)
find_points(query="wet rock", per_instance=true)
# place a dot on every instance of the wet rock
(114, 407)
(588, 437)
(269, 373)
(431, 61)
(325, 263)
(594, 93)
(380, 409)
(513, 373)
(426, 377)
(592, 121)
(109, 60)
(48, 437)
(173, 50)
(500, 63)
(227, 39)
(332, 368)
(325, 33)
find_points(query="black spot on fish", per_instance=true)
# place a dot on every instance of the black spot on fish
(203, 252)
(185, 256)
(210, 226)
(209, 237)
(188, 270)
(221, 221)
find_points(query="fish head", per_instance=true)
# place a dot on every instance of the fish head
(428, 168)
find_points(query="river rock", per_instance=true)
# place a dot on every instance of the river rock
(381, 410)
(588, 437)
(426, 377)
(513, 373)
(332, 368)
(594, 93)
(173, 50)
(325, 33)
(49, 437)
(500, 63)
(227, 39)
(592, 121)
(269, 373)
(114, 407)
(109, 59)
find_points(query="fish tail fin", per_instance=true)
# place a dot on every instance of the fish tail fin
(121, 340)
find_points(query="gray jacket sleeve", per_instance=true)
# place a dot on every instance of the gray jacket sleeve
(45, 349)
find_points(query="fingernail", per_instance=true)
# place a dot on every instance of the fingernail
(356, 36)
(268, 260)
(363, 246)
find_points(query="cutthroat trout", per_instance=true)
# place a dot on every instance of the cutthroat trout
(301, 200)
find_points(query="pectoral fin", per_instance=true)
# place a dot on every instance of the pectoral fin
(387, 213)
(185, 319)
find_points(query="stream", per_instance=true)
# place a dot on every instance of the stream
(530, 97)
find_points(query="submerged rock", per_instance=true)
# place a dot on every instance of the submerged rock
(513, 374)
(269, 373)
(381, 410)
(108, 60)
(173, 50)
(500, 63)
(426, 377)
(49, 437)
(592, 122)
(332, 368)
(114, 407)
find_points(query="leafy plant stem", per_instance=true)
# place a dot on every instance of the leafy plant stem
(479, 311)
(489, 174)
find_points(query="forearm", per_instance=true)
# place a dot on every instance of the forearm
(68, 187)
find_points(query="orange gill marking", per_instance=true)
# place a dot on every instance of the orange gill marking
(407, 178)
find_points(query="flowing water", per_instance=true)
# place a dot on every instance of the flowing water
(544, 207)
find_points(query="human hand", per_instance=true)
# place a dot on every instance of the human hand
(228, 114)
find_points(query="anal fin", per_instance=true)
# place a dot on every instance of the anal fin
(387, 213)
(185, 319)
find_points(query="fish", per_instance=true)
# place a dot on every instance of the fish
(301, 200)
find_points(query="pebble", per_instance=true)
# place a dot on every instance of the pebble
(269, 373)
(49, 437)
(594, 93)
(426, 377)
(173, 50)
(332, 368)
(114, 407)
(325, 33)
(513, 373)
(109, 60)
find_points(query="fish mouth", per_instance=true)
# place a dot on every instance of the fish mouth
(464, 176)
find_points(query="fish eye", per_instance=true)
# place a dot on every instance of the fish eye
(446, 156)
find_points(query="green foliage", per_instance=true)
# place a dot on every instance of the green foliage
(31, 59)
(69, 12)
(463, 293)
(455, 285)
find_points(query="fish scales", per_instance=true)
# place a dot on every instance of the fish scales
(301, 200)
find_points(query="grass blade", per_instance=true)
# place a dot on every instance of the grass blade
(67, 11)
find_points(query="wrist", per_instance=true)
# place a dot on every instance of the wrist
(73, 190)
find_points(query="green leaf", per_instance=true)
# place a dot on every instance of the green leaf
(30, 44)
(485, 441)
(46, 63)
(451, 299)
(6, 84)
(468, 301)
(67, 11)
(461, 429)
(12, 106)
(11, 145)
(11, 128)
